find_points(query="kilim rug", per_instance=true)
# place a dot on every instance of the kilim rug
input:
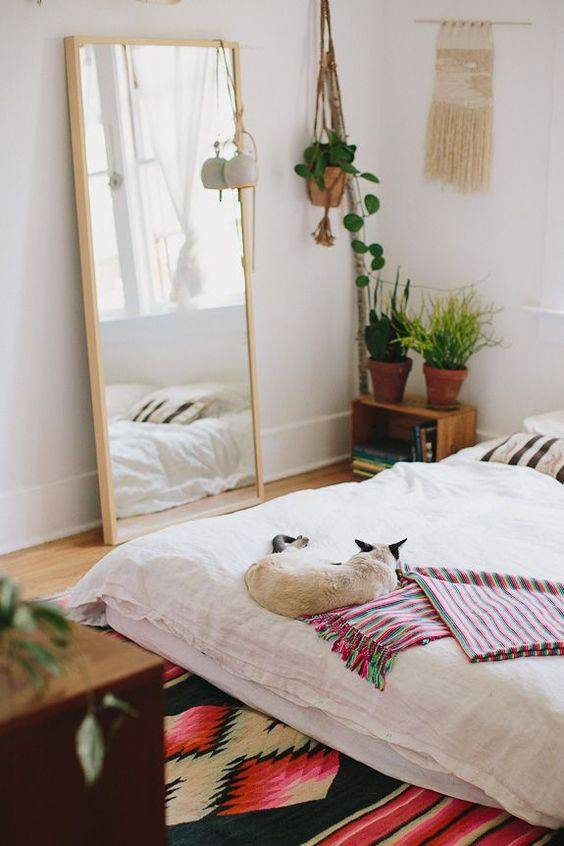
(236, 776)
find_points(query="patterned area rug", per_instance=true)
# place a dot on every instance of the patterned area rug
(236, 776)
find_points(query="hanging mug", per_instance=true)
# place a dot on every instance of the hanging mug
(212, 173)
(241, 171)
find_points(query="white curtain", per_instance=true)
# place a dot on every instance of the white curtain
(177, 86)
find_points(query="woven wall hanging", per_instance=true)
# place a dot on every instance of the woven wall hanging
(460, 123)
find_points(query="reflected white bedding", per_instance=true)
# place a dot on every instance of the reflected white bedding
(498, 727)
(160, 465)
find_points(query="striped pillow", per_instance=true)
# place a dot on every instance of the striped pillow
(159, 409)
(543, 453)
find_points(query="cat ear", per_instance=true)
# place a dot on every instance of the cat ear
(395, 548)
(364, 547)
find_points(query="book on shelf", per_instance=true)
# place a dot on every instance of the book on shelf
(370, 467)
(373, 457)
(424, 441)
(386, 450)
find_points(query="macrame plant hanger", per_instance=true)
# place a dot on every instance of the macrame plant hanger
(329, 95)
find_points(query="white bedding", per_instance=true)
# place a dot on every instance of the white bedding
(160, 465)
(497, 726)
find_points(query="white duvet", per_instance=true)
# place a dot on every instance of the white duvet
(160, 465)
(499, 726)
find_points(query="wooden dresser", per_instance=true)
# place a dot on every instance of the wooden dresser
(43, 797)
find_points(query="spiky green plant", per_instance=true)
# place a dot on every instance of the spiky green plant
(387, 320)
(450, 329)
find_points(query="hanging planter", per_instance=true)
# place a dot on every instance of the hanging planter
(331, 195)
(329, 160)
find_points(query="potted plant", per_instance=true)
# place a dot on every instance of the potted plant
(326, 166)
(446, 333)
(388, 364)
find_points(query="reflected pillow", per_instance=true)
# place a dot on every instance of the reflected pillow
(121, 396)
(166, 407)
(541, 452)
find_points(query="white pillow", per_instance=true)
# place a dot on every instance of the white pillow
(121, 396)
(546, 424)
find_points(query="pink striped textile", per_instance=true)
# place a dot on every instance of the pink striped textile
(493, 616)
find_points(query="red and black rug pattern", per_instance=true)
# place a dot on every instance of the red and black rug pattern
(236, 776)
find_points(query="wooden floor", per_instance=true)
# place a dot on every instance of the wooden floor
(52, 567)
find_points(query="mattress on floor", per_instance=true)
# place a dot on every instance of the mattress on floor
(498, 727)
(371, 751)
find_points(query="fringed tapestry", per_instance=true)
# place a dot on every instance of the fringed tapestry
(459, 130)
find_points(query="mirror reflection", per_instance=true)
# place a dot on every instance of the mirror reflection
(170, 283)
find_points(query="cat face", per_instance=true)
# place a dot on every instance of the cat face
(394, 548)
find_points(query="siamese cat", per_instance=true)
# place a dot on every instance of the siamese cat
(284, 583)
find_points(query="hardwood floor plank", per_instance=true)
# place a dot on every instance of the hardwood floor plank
(52, 567)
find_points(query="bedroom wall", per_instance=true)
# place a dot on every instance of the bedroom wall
(445, 239)
(303, 297)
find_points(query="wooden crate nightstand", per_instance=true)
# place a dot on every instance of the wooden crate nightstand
(44, 799)
(373, 420)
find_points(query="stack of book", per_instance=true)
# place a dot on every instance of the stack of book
(375, 456)
(371, 458)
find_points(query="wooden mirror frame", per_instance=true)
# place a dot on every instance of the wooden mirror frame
(117, 531)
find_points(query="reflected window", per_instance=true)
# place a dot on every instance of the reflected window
(151, 118)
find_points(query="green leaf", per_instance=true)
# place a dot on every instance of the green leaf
(90, 748)
(35, 677)
(376, 250)
(9, 595)
(341, 154)
(310, 153)
(110, 700)
(51, 616)
(353, 222)
(359, 246)
(302, 170)
(369, 176)
(372, 203)
(23, 618)
(378, 263)
(349, 168)
(37, 653)
(362, 281)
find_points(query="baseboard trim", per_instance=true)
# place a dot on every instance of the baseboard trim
(58, 534)
(299, 424)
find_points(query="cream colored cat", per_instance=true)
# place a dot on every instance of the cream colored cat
(284, 583)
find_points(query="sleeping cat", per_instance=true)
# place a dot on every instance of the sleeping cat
(284, 583)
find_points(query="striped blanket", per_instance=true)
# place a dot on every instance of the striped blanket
(493, 617)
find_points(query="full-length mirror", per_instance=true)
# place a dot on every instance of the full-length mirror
(166, 280)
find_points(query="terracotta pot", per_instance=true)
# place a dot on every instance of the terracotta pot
(443, 386)
(331, 196)
(389, 378)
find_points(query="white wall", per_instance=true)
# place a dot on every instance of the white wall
(303, 297)
(446, 239)
(207, 345)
